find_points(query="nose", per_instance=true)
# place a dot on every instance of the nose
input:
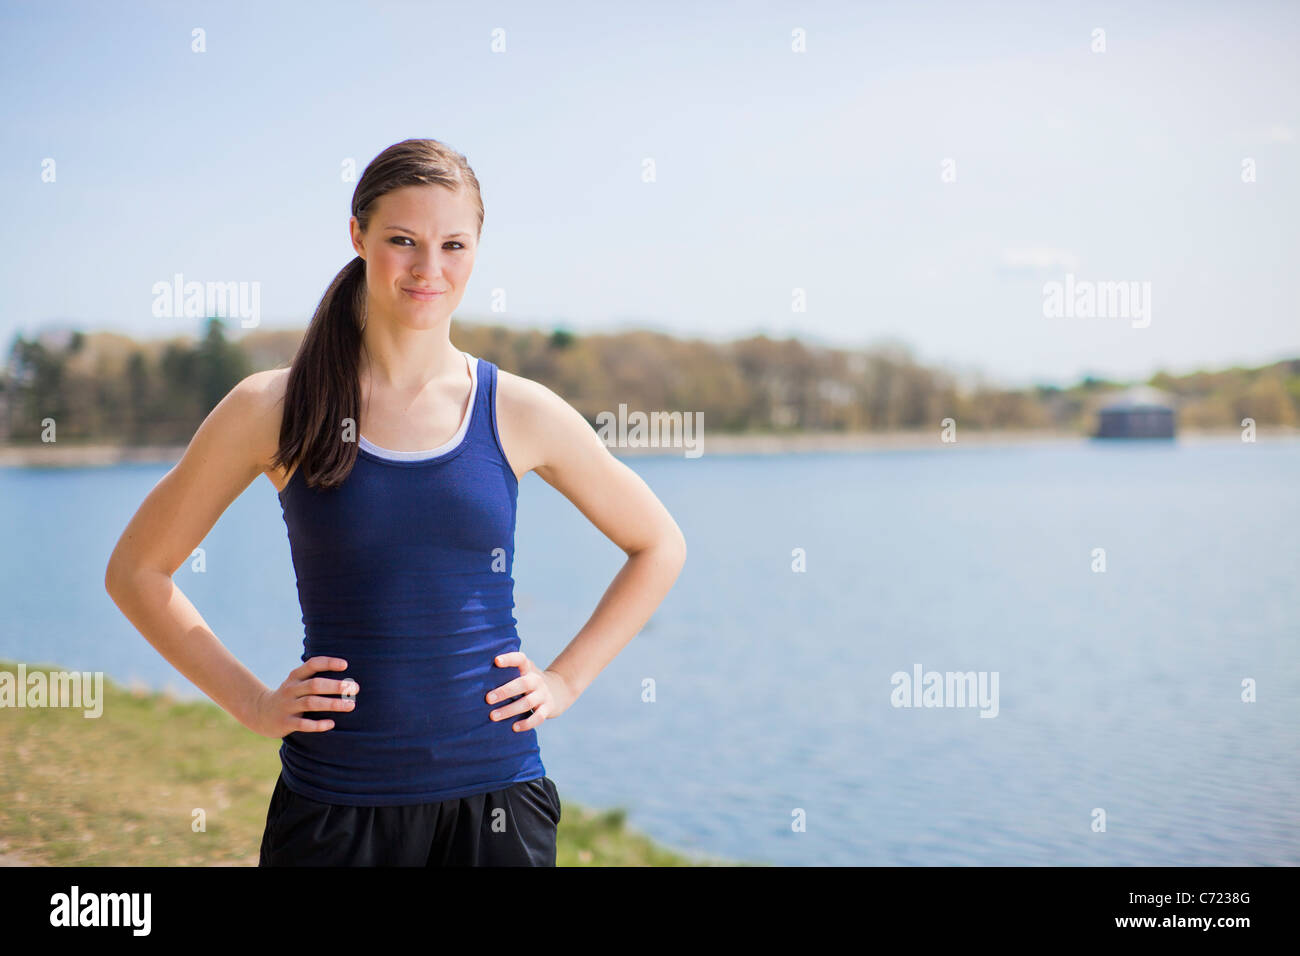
(426, 266)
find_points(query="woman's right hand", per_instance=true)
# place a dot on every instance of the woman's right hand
(276, 711)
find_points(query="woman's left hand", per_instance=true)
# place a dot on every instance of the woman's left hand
(546, 693)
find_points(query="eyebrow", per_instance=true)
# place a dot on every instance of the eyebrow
(450, 235)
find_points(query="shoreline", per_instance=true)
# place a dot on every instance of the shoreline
(66, 455)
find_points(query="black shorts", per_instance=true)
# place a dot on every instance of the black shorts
(511, 827)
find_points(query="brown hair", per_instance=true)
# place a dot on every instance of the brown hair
(324, 388)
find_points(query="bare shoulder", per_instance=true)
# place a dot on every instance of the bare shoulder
(538, 428)
(260, 398)
(517, 395)
(267, 386)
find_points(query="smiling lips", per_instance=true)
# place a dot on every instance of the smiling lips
(425, 295)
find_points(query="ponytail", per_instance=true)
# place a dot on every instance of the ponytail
(324, 392)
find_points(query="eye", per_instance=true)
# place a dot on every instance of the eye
(458, 245)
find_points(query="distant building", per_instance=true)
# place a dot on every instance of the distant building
(1140, 412)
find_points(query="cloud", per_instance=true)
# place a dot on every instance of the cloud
(1036, 260)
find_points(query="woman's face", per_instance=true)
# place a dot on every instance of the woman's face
(422, 239)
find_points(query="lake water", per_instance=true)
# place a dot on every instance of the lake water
(1118, 690)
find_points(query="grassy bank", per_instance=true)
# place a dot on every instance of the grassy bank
(121, 789)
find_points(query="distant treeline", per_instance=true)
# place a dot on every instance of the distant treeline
(111, 388)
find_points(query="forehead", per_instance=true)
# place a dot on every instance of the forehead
(429, 202)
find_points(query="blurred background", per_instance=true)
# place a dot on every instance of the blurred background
(988, 309)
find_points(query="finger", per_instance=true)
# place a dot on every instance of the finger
(304, 725)
(314, 664)
(540, 713)
(511, 659)
(319, 663)
(509, 710)
(327, 685)
(304, 704)
(522, 684)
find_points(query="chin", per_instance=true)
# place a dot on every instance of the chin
(424, 318)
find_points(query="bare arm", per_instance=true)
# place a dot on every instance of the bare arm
(568, 455)
(229, 450)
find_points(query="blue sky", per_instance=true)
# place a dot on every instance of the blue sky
(775, 170)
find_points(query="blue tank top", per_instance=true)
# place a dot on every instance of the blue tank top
(405, 570)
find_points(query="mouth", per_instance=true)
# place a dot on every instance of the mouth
(422, 295)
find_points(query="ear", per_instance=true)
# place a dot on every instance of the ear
(354, 233)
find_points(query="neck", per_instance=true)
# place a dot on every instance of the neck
(405, 359)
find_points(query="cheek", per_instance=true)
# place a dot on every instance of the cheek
(379, 266)
(461, 270)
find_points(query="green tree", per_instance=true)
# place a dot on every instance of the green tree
(38, 378)
(219, 365)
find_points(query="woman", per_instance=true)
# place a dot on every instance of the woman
(409, 730)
